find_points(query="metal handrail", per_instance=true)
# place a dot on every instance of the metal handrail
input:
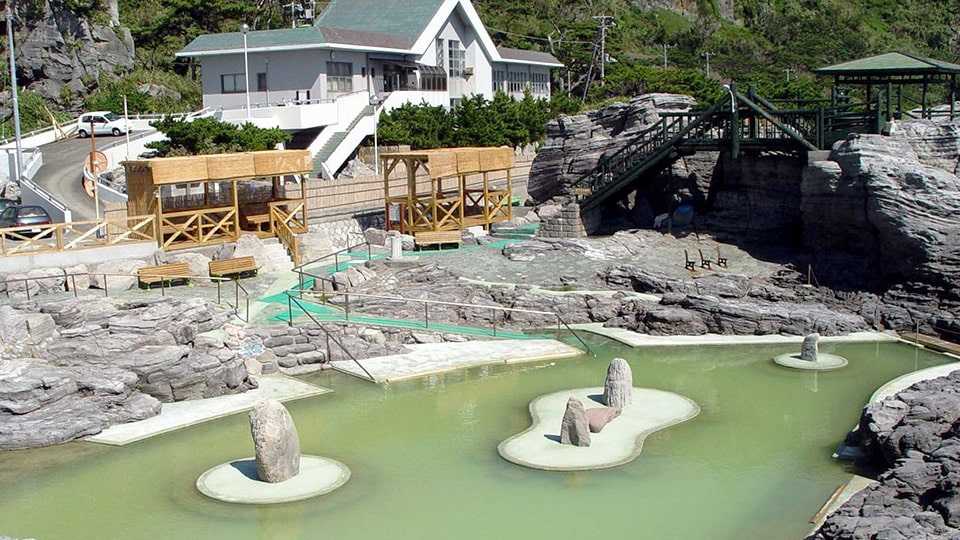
(426, 303)
(335, 255)
(72, 278)
(290, 301)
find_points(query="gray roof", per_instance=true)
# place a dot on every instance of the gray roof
(523, 55)
(255, 40)
(403, 20)
(891, 63)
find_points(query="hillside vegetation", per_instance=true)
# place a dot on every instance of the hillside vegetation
(754, 43)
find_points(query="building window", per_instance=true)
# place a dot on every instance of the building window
(232, 83)
(541, 84)
(455, 102)
(261, 82)
(339, 77)
(440, 60)
(457, 57)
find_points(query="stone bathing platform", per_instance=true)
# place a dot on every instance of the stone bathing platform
(236, 482)
(430, 358)
(620, 442)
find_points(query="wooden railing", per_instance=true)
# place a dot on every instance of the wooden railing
(77, 235)
(286, 223)
(190, 228)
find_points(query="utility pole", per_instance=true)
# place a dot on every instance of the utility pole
(665, 47)
(605, 21)
(13, 90)
(708, 56)
(788, 71)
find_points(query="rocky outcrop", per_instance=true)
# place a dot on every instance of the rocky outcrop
(724, 8)
(575, 428)
(64, 54)
(575, 144)
(275, 441)
(77, 366)
(42, 404)
(618, 386)
(810, 348)
(913, 436)
(878, 200)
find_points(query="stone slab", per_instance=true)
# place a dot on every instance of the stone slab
(182, 414)
(621, 441)
(236, 482)
(429, 358)
(636, 339)
(844, 493)
(825, 362)
(905, 381)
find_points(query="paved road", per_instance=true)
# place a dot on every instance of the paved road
(61, 173)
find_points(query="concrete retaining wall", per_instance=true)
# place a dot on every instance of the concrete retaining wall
(63, 259)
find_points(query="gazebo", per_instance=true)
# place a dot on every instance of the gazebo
(454, 198)
(211, 199)
(892, 71)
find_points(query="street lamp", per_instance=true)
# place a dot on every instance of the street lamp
(246, 71)
(13, 89)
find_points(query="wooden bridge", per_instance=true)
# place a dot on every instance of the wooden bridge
(742, 122)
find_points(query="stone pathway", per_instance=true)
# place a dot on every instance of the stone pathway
(432, 358)
(174, 416)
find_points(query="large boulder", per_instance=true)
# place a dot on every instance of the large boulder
(575, 428)
(618, 386)
(275, 441)
(878, 199)
(810, 348)
(121, 275)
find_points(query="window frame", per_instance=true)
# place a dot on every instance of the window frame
(238, 87)
(457, 58)
(262, 82)
(339, 77)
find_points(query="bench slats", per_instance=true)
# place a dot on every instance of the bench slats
(229, 267)
(426, 238)
(164, 272)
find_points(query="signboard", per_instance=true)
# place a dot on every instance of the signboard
(96, 163)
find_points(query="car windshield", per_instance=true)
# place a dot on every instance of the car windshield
(32, 212)
(111, 117)
(8, 214)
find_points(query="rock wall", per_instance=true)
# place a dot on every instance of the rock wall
(724, 8)
(913, 437)
(575, 144)
(877, 199)
(64, 55)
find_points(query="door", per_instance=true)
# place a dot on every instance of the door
(100, 125)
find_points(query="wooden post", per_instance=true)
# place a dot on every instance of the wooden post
(236, 213)
(953, 95)
(433, 202)
(889, 100)
(303, 200)
(734, 127)
(486, 201)
(159, 223)
(386, 196)
(899, 102)
(509, 194)
(462, 180)
(923, 98)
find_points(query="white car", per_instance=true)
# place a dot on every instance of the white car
(104, 123)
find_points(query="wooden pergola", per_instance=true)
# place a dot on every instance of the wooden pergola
(891, 72)
(197, 200)
(447, 203)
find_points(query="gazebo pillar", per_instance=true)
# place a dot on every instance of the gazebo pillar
(953, 95)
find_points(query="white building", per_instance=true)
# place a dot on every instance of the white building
(319, 81)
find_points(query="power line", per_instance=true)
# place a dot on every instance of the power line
(537, 38)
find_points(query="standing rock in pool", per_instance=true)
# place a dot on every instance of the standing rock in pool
(599, 417)
(276, 442)
(810, 348)
(618, 387)
(574, 429)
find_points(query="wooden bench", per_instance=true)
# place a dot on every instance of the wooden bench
(164, 273)
(438, 238)
(239, 266)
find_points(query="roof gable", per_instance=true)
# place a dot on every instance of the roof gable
(889, 63)
(403, 20)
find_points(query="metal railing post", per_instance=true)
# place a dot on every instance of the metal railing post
(163, 287)
(26, 285)
(301, 283)
(369, 252)
(289, 310)
(426, 315)
(219, 296)
(73, 285)
(336, 262)
(236, 294)
(106, 291)
(494, 319)
(347, 309)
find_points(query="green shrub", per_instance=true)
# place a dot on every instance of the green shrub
(211, 136)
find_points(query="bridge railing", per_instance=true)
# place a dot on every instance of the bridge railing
(76, 235)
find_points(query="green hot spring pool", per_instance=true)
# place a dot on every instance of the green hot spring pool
(755, 464)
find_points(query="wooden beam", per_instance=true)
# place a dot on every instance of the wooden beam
(236, 212)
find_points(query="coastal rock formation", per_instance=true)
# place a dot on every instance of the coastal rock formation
(575, 428)
(618, 386)
(912, 435)
(599, 417)
(42, 404)
(276, 442)
(879, 200)
(575, 144)
(810, 348)
(77, 366)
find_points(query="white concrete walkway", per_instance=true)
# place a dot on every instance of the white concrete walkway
(174, 416)
(429, 358)
(905, 381)
(635, 339)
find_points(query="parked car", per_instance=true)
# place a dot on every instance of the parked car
(25, 216)
(104, 123)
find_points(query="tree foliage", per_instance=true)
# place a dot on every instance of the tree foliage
(476, 121)
(211, 136)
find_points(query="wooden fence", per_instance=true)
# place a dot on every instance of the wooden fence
(345, 197)
(77, 235)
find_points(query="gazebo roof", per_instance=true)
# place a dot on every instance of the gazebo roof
(892, 63)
